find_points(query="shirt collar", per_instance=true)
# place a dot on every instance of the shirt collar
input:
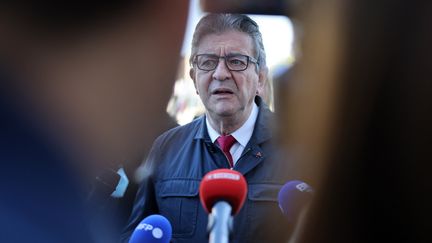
(243, 134)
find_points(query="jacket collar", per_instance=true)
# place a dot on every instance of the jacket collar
(201, 132)
(262, 131)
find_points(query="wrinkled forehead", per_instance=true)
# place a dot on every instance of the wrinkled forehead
(228, 42)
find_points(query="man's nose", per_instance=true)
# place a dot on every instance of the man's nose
(221, 72)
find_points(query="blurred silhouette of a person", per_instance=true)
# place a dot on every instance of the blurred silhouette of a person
(365, 75)
(83, 87)
(356, 113)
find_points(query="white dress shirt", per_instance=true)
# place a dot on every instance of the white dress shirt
(242, 135)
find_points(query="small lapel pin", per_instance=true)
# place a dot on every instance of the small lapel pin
(258, 155)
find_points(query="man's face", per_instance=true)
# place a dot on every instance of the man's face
(227, 93)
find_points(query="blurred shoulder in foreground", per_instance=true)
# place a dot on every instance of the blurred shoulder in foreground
(83, 86)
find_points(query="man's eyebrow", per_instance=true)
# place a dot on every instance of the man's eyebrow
(206, 53)
(236, 53)
(228, 54)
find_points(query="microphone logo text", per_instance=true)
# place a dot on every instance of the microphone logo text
(229, 176)
(303, 187)
(156, 232)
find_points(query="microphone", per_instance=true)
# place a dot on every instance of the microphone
(293, 197)
(103, 186)
(153, 229)
(222, 194)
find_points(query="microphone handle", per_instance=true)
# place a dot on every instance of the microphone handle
(220, 223)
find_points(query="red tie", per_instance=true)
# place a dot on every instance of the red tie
(225, 143)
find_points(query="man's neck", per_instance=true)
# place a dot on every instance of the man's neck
(227, 124)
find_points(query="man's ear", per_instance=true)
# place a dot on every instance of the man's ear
(262, 79)
(192, 74)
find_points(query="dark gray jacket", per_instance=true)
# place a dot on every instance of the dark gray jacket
(182, 156)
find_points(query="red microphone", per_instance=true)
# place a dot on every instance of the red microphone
(222, 194)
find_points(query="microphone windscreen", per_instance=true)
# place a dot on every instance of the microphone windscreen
(223, 185)
(108, 180)
(293, 197)
(153, 229)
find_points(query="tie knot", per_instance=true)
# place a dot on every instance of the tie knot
(226, 142)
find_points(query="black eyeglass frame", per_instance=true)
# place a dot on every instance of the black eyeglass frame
(248, 60)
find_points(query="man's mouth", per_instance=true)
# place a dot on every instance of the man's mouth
(222, 91)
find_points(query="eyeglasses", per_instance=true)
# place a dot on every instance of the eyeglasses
(209, 62)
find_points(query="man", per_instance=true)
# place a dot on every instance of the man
(229, 72)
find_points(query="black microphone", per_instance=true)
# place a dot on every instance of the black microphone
(104, 185)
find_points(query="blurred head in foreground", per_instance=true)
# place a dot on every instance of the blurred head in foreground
(82, 86)
(93, 74)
